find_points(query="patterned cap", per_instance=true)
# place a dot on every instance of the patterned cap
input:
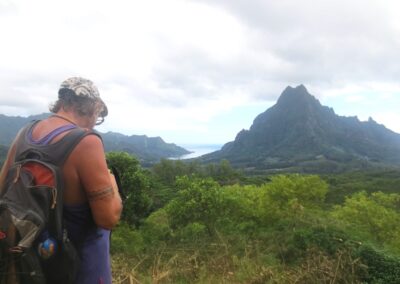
(84, 88)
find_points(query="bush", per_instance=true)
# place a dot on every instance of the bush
(294, 198)
(381, 268)
(156, 228)
(193, 232)
(326, 239)
(308, 190)
(373, 217)
(243, 209)
(126, 240)
(135, 185)
(199, 200)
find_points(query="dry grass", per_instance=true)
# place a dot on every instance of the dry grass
(218, 264)
(321, 268)
(124, 270)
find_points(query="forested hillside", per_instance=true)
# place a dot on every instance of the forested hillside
(190, 223)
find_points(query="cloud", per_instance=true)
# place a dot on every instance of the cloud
(324, 42)
(179, 65)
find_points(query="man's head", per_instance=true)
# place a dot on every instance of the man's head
(80, 96)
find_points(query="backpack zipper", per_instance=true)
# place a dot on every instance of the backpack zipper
(17, 173)
(54, 193)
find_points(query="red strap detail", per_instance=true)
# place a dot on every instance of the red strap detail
(42, 174)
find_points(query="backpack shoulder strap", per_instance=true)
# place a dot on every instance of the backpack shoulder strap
(63, 148)
(21, 144)
(56, 153)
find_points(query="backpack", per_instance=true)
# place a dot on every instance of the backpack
(34, 245)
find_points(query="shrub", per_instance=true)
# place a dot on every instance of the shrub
(156, 228)
(126, 240)
(198, 201)
(373, 216)
(381, 268)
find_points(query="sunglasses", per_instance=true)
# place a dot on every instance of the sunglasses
(99, 120)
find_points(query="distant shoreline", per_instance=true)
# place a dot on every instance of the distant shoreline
(198, 150)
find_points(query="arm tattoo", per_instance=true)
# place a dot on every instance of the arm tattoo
(101, 194)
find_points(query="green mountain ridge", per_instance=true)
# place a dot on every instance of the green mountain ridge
(146, 149)
(299, 133)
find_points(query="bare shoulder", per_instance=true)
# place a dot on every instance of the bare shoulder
(89, 152)
(90, 140)
(89, 145)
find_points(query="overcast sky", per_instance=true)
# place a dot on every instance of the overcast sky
(197, 72)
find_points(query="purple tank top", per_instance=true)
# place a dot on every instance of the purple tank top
(92, 242)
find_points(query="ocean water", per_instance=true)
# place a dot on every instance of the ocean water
(198, 150)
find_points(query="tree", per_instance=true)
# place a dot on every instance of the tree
(292, 196)
(199, 200)
(135, 184)
(376, 215)
(223, 173)
(308, 190)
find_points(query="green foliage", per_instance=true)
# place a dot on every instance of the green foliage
(381, 268)
(243, 209)
(293, 198)
(222, 172)
(328, 239)
(156, 228)
(138, 204)
(307, 191)
(126, 240)
(198, 201)
(376, 216)
(135, 184)
(192, 232)
(278, 230)
(125, 163)
(346, 184)
(167, 171)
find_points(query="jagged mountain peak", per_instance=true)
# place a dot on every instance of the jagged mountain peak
(299, 88)
(297, 96)
(294, 104)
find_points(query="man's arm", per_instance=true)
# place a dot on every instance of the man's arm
(99, 185)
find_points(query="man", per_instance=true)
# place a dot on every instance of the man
(92, 205)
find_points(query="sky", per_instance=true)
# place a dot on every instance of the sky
(198, 72)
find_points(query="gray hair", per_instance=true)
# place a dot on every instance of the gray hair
(81, 105)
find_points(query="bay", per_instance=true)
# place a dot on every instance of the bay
(198, 150)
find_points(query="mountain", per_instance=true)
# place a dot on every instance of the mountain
(3, 154)
(299, 133)
(146, 149)
(9, 126)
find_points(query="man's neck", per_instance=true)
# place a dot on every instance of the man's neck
(73, 118)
